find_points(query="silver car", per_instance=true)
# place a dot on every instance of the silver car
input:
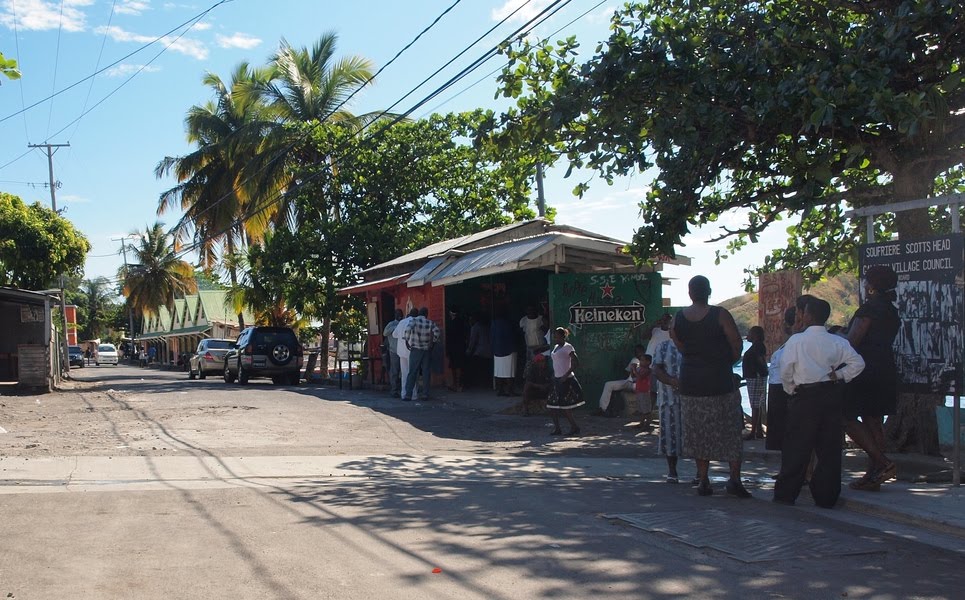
(106, 355)
(208, 358)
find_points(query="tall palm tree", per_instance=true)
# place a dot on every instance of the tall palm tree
(212, 189)
(156, 276)
(97, 294)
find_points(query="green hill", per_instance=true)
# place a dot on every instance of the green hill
(841, 292)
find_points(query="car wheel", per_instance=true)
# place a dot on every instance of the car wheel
(201, 373)
(281, 354)
(228, 375)
(242, 374)
(190, 374)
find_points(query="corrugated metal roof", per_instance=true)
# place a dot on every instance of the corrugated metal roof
(494, 256)
(445, 246)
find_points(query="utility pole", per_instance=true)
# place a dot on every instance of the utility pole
(540, 196)
(53, 205)
(50, 167)
(130, 315)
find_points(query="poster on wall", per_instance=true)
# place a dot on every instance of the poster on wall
(778, 291)
(930, 347)
(607, 315)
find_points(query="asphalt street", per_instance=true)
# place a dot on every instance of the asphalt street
(138, 483)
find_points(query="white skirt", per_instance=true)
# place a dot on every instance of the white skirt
(504, 366)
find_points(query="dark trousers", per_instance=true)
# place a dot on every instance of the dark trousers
(813, 425)
(418, 362)
(776, 416)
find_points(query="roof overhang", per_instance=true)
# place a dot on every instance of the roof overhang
(371, 286)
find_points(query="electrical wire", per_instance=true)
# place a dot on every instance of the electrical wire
(496, 70)
(16, 39)
(192, 20)
(97, 64)
(53, 85)
(128, 80)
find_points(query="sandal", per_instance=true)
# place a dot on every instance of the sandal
(704, 489)
(672, 479)
(557, 432)
(889, 471)
(865, 483)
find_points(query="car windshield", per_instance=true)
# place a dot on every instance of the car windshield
(75, 349)
(219, 344)
(106, 348)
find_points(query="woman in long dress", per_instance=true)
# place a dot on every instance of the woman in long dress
(713, 419)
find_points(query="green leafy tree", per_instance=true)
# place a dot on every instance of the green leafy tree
(98, 305)
(778, 108)
(8, 67)
(156, 275)
(37, 245)
(265, 281)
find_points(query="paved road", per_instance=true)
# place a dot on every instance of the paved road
(137, 483)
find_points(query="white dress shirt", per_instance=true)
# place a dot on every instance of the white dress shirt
(398, 334)
(774, 367)
(812, 355)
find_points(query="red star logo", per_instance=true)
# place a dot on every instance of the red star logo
(607, 290)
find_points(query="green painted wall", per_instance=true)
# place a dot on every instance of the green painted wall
(584, 302)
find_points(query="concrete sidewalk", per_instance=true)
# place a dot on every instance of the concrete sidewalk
(911, 500)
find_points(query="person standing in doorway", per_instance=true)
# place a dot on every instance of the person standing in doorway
(480, 352)
(421, 335)
(814, 366)
(566, 393)
(707, 338)
(532, 325)
(504, 339)
(392, 345)
(403, 348)
(457, 340)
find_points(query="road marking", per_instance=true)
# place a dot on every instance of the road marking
(2, 430)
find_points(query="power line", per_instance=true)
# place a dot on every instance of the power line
(16, 39)
(97, 65)
(53, 85)
(193, 20)
(128, 80)
(496, 70)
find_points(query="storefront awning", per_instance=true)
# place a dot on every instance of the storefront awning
(371, 286)
(558, 251)
(160, 335)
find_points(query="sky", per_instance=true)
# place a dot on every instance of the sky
(91, 80)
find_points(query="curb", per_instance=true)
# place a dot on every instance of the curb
(904, 518)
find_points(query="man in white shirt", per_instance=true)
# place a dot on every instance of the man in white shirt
(621, 384)
(403, 350)
(533, 325)
(814, 367)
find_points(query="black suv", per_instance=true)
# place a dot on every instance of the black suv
(264, 352)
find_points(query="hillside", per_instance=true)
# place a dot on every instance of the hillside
(841, 292)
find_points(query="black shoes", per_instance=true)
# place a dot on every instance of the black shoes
(736, 488)
(704, 489)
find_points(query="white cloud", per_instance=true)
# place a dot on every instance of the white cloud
(601, 16)
(238, 40)
(202, 26)
(131, 7)
(526, 13)
(73, 199)
(128, 69)
(40, 15)
(184, 45)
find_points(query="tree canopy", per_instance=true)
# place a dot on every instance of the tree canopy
(37, 245)
(8, 67)
(768, 108)
(156, 275)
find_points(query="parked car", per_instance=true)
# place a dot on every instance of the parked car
(106, 354)
(75, 356)
(208, 358)
(264, 352)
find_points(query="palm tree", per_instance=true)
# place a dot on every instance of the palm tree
(156, 276)
(211, 188)
(261, 287)
(98, 298)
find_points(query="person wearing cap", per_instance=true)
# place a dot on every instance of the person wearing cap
(874, 394)
(814, 365)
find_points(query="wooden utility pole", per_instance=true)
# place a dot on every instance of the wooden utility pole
(61, 355)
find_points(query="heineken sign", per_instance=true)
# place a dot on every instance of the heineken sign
(607, 315)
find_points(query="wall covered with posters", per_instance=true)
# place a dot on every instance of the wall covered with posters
(930, 347)
(607, 314)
